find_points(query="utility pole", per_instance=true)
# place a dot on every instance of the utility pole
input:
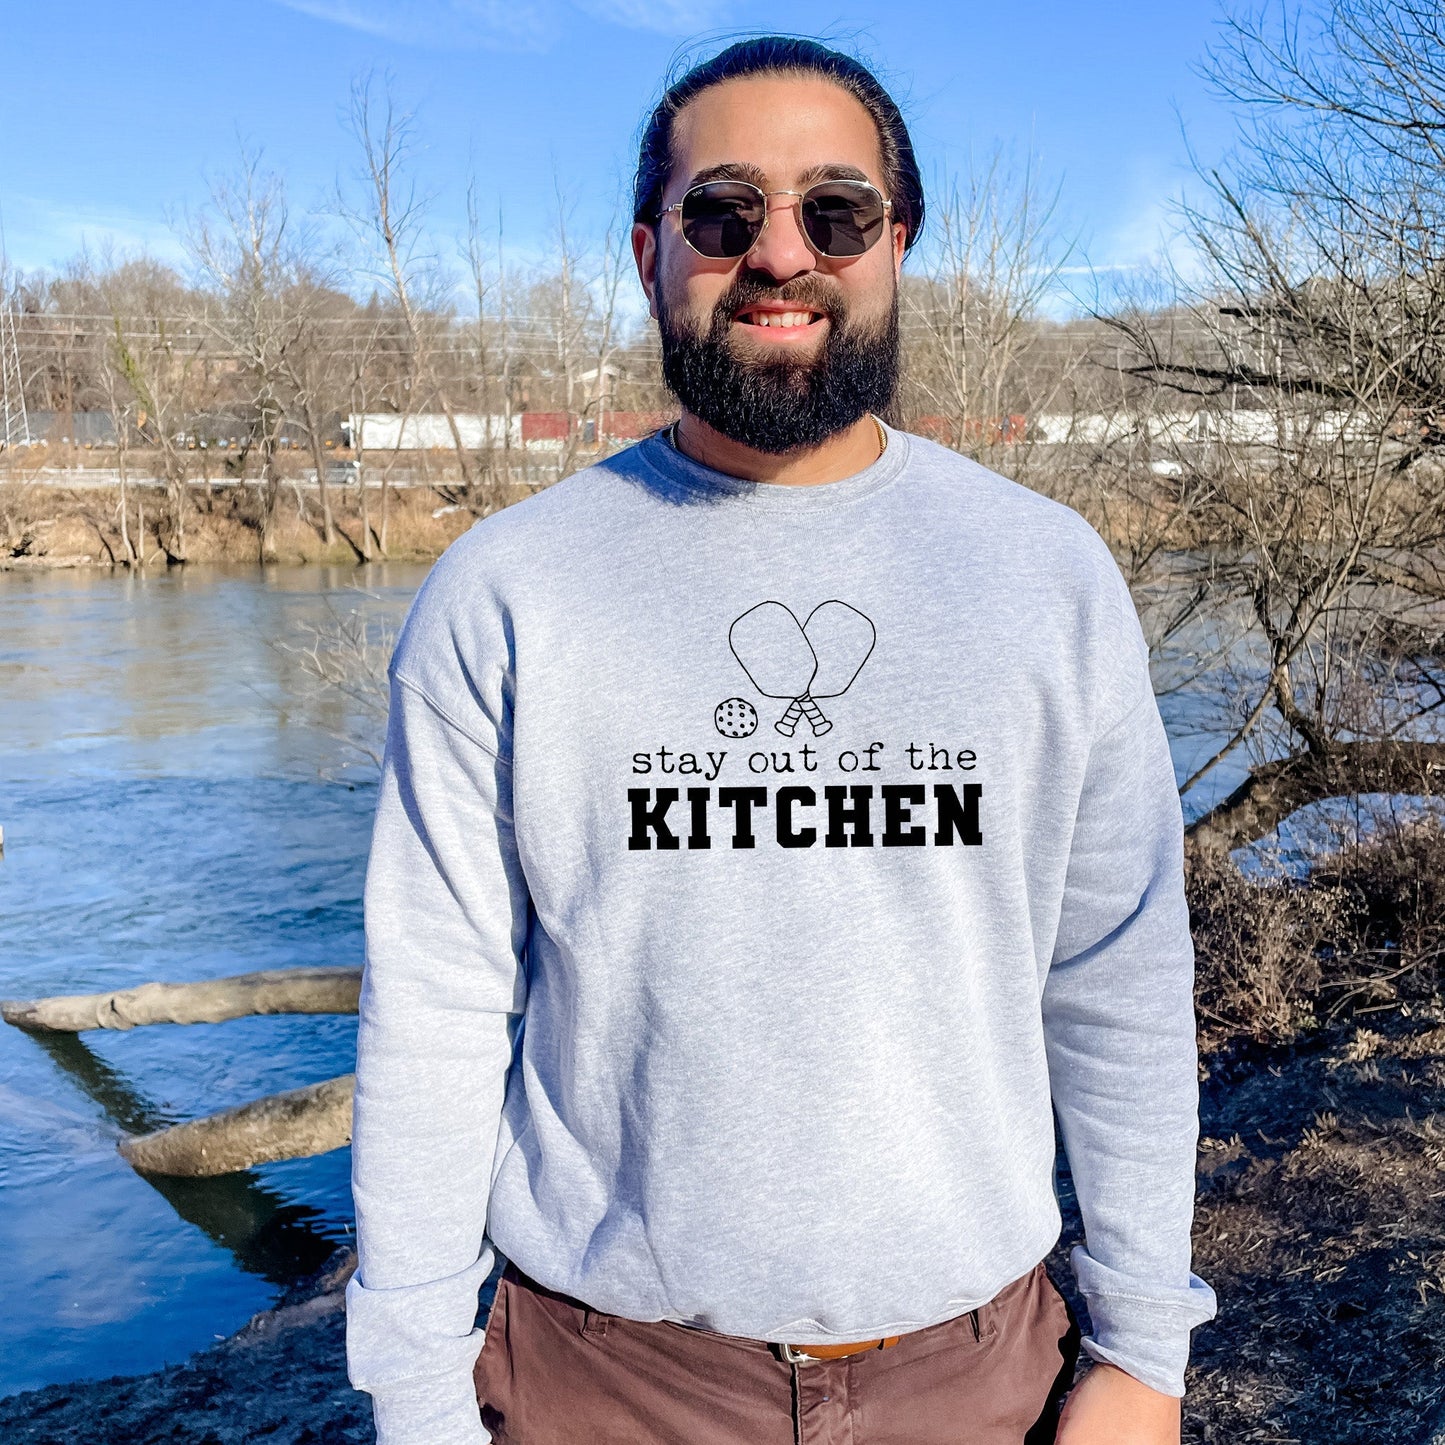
(14, 422)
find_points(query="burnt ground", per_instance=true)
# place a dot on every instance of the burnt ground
(1320, 1224)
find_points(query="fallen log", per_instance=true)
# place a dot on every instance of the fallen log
(299, 1122)
(1274, 790)
(323, 990)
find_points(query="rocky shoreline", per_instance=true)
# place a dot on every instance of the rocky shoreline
(280, 1378)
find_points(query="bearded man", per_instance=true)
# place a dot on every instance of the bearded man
(777, 832)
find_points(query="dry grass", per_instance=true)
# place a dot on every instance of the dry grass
(1321, 1206)
(1321, 1225)
(1277, 959)
(42, 525)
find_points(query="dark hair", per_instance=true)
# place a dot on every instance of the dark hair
(774, 55)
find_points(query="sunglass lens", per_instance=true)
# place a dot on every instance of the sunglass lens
(842, 219)
(722, 218)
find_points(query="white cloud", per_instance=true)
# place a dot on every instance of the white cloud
(441, 23)
(43, 234)
(1136, 255)
(501, 24)
(670, 17)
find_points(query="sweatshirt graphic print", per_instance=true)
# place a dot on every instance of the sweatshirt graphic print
(800, 662)
(756, 872)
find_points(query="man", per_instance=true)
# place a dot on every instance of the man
(776, 821)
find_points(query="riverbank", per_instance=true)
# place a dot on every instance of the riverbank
(280, 1378)
(44, 525)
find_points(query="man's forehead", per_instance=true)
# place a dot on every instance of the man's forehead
(774, 130)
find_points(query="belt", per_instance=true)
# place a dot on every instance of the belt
(812, 1354)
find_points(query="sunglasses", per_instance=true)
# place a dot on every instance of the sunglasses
(723, 219)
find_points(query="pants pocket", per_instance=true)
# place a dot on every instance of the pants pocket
(489, 1374)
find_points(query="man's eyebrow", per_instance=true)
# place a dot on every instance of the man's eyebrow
(745, 171)
(833, 171)
(729, 171)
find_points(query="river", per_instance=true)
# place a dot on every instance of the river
(175, 805)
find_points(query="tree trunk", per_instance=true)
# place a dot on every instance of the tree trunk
(366, 544)
(1275, 790)
(270, 492)
(318, 455)
(124, 518)
(322, 990)
(290, 1125)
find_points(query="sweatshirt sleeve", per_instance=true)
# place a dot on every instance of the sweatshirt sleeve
(1120, 1036)
(446, 911)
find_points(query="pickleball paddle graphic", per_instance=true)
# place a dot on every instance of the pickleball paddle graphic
(802, 661)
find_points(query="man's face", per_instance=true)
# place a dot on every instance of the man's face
(773, 387)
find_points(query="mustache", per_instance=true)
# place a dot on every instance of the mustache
(812, 292)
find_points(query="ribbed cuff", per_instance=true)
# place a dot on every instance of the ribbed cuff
(428, 1410)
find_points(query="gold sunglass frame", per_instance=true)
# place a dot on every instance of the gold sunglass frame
(796, 206)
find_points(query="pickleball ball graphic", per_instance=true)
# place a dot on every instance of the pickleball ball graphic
(802, 661)
(736, 717)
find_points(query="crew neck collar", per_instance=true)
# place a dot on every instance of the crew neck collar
(676, 466)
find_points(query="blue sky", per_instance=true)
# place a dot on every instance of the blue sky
(112, 116)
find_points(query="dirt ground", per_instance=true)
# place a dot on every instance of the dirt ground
(280, 1379)
(1320, 1224)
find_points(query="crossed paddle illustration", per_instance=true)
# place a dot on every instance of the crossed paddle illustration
(802, 661)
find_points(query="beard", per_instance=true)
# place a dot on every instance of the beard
(781, 404)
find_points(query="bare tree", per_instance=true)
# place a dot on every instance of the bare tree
(345, 658)
(318, 371)
(149, 373)
(1316, 366)
(493, 354)
(976, 353)
(242, 246)
(389, 220)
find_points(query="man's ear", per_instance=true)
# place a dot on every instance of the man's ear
(644, 252)
(900, 244)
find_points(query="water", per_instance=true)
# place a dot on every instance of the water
(177, 806)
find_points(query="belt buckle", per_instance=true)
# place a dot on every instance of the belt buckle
(798, 1357)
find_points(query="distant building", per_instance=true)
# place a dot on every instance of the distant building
(382, 431)
(78, 428)
(542, 430)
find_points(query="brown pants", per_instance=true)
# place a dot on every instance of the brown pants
(554, 1372)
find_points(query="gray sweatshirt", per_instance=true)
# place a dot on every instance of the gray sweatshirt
(753, 867)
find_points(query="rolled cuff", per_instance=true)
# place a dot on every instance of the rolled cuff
(1145, 1332)
(390, 1333)
(428, 1410)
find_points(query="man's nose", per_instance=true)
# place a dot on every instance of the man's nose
(781, 250)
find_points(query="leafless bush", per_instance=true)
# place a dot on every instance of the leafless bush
(1257, 952)
(345, 660)
(1362, 930)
